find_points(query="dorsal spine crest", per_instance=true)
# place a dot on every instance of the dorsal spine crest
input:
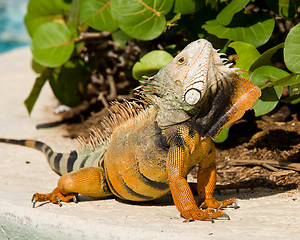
(119, 114)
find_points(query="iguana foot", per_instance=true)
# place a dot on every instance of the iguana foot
(55, 197)
(213, 203)
(207, 214)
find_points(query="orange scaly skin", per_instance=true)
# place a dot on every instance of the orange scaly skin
(150, 150)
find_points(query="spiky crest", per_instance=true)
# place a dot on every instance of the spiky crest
(119, 113)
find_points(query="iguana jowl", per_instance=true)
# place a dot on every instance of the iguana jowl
(146, 152)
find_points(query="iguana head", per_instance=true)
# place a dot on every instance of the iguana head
(198, 85)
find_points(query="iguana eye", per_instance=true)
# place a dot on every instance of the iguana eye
(192, 96)
(181, 60)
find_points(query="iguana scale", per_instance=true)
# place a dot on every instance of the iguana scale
(144, 152)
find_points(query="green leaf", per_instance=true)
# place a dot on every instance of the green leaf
(141, 19)
(187, 6)
(151, 63)
(294, 89)
(120, 38)
(265, 58)
(227, 13)
(97, 14)
(294, 94)
(288, 8)
(174, 19)
(291, 49)
(43, 11)
(266, 74)
(36, 89)
(284, 81)
(69, 81)
(37, 68)
(51, 44)
(213, 4)
(63, 4)
(254, 29)
(284, 8)
(73, 19)
(268, 101)
(270, 96)
(293, 99)
(223, 135)
(247, 55)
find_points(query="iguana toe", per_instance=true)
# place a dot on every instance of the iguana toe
(55, 197)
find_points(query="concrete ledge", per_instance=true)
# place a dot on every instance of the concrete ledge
(263, 214)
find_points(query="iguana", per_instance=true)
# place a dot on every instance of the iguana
(144, 152)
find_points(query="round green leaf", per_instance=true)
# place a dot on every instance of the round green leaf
(97, 14)
(141, 19)
(267, 74)
(51, 44)
(254, 29)
(268, 101)
(270, 96)
(151, 63)
(42, 11)
(247, 55)
(292, 49)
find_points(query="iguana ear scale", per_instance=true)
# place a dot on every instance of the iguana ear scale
(241, 95)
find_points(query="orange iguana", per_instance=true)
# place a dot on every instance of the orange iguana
(144, 152)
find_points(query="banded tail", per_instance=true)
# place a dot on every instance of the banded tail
(62, 163)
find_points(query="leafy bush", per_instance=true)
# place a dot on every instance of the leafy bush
(264, 34)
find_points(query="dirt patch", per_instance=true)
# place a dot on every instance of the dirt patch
(258, 143)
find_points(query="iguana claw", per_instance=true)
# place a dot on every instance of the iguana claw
(226, 215)
(187, 220)
(59, 202)
(211, 218)
(33, 200)
(235, 205)
(75, 199)
(55, 197)
(221, 205)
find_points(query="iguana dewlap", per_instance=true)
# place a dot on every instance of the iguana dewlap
(143, 153)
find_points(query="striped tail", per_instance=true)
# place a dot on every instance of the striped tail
(62, 163)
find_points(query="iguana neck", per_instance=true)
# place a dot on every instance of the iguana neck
(169, 114)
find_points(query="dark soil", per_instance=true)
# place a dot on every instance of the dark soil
(271, 138)
(255, 142)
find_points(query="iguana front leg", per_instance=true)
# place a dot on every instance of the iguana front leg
(88, 181)
(206, 183)
(185, 202)
(181, 192)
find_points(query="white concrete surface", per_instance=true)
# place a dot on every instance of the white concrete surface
(263, 214)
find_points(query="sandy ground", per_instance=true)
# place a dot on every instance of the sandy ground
(263, 213)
